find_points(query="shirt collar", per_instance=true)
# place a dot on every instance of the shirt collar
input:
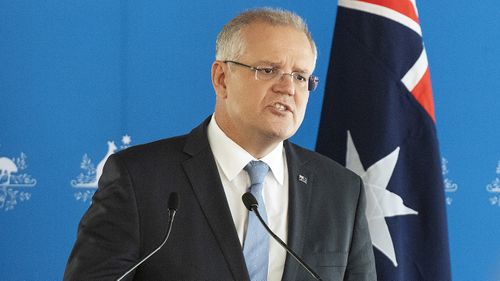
(232, 158)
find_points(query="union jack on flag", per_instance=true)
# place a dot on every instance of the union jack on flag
(378, 120)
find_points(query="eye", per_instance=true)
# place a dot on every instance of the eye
(267, 70)
(299, 77)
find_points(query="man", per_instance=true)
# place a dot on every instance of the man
(262, 76)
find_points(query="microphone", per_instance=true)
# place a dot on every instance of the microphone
(173, 205)
(252, 205)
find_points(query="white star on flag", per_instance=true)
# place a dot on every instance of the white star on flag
(381, 203)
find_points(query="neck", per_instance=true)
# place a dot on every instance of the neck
(257, 146)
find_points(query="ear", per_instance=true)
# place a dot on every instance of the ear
(219, 78)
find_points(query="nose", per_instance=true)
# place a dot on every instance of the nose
(287, 74)
(285, 84)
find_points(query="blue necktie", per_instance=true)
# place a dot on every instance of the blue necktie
(256, 244)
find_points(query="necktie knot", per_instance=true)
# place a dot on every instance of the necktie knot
(257, 170)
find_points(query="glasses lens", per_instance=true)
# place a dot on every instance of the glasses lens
(266, 73)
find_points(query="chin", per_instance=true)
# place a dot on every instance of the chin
(282, 134)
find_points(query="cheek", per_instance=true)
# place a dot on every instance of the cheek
(252, 99)
(241, 103)
(301, 104)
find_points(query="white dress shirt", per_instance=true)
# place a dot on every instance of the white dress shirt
(231, 159)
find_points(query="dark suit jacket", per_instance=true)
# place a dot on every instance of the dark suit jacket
(129, 214)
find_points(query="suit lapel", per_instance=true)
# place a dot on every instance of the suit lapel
(300, 183)
(207, 187)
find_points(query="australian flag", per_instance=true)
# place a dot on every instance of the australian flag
(378, 120)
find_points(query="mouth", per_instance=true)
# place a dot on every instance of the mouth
(281, 107)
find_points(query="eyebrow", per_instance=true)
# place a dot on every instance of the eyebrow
(277, 65)
(266, 62)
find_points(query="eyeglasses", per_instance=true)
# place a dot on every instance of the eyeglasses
(269, 73)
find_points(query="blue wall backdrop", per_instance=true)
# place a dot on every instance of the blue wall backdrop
(81, 79)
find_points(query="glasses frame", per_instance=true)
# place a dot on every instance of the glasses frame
(312, 81)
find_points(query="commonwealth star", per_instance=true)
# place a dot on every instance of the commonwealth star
(381, 203)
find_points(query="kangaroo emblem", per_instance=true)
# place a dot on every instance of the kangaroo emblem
(7, 167)
(88, 179)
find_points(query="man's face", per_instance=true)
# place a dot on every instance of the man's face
(269, 110)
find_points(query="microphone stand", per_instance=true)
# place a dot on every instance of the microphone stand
(290, 251)
(174, 204)
(251, 203)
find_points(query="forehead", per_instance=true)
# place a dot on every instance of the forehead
(278, 44)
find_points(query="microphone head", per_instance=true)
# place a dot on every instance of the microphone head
(173, 201)
(249, 201)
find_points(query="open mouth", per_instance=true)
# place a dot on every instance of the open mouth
(280, 107)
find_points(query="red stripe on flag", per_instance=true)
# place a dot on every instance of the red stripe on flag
(404, 7)
(423, 93)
